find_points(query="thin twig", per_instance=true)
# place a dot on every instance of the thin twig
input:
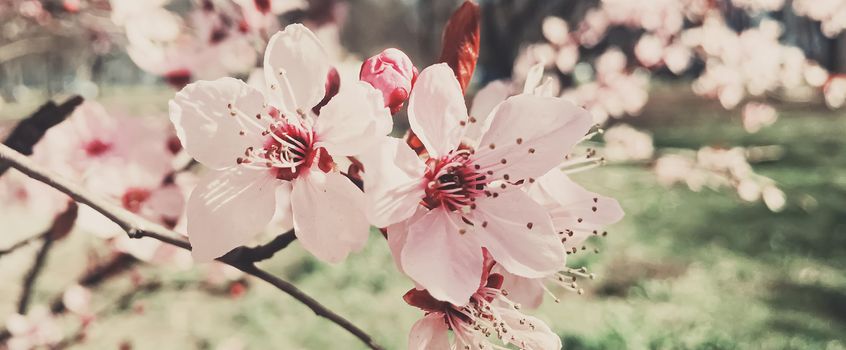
(138, 227)
(34, 271)
(20, 244)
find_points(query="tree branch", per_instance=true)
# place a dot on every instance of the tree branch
(21, 244)
(29, 131)
(32, 275)
(261, 252)
(138, 227)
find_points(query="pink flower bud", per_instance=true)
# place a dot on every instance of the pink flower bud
(392, 73)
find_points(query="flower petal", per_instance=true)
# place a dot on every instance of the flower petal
(398, 235)
(352, 120)
(483, 104)
(227, 209)
(295, 68)
(574, 209)
(528, 332)
(429, 333)
(328, 218)
(393, 182)
(443, 261)
(205, 125)
(528, 135)
(519, 234)
(436, 110)
(528, 292)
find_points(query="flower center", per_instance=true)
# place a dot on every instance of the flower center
(288, 151)
(134, 198)
(96, 147)
(453, 181)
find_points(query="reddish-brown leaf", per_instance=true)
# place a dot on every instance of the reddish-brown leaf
(460, 48)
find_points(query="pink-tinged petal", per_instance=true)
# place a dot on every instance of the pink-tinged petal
(483, 104)
(283, 219)
(436, 110)
(392, 182)
(353, 120)
(328, 215)
(528, 135)
(442, 260)
(528, 292)
(519, 234)
(574, 209)
(227, 209)
(429, 333)
(528, 332)
(203, 116)
(295, 69)
(398, 235)
(166, 202)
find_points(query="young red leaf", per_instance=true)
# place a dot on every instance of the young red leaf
(460, 48)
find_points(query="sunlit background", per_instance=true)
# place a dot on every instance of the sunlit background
(723, 141)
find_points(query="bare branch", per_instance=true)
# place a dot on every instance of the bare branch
(20, 244)
(262, 252)
(138, 227)
(32, 275)
(27, 133)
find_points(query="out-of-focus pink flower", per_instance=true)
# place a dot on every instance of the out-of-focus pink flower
(757, 116)
(835, 91)
(488, 313)
(623, 143)
(265, 156)
(392, 73)
(92, 139)
(36, 329)
(467, 199)
(77, 299)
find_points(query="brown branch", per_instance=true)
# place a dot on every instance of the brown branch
(138, 227)
(29, 131)
(261, 252)
(60, 227)
(21, 244)
(32, 275)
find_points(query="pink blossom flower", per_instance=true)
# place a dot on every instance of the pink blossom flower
(577, 214)
(489, 313)
(265, 156)
(36, 329)
(757, 116)
(464, 198)
(623, 142)
(392, 73)
(92, 140)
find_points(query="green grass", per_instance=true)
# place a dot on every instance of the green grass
(683, 270)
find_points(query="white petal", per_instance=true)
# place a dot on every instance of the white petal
(528, 332)
(443, 261)
(398, 235)
(436, 109)
(353, 120)
(530, 135)
(572, 207)
(328, 215)
(393, 182)
(528, 292)
(295, 69)
(227, 209)
(429, 333)
(519, 234)
(204, 121)
(483, 104)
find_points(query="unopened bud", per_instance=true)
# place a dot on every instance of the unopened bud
(392, 73)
